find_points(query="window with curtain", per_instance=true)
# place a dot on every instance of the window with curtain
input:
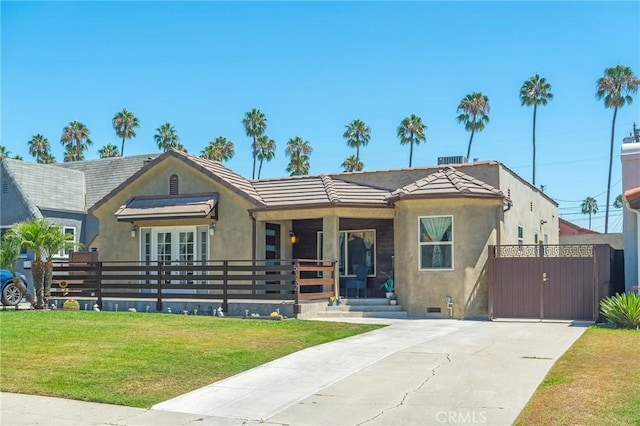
(436, 242)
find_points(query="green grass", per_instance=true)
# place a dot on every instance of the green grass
(594, 383)
(142, 359)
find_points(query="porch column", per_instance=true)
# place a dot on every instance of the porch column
(260, 238)
(331, 243)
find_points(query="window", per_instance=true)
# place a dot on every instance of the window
(173, 185)
(520, 235)
(545, 239)
(70, 232)
(23, 252)
(356, 247)
(435, 242)
(535, 237)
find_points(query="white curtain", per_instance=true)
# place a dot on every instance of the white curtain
(436, 227)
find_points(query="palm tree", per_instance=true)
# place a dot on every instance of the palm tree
(44, 239)
(266, 150)
(167, 138)
(219, 150)
(48, 159)
(615, 88)
(298, 150)
(75, 138)
(411, 130)
(535, 91)
(474, 110)
(9, 254)
(618, 203)
(357, 134)
(4, 152)
(108, 151)
(40, 148)
(125, 122)
(255, 124)
(589, 206)
(352, 164)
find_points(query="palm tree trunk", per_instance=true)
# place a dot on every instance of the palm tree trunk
(37, 271)
(25, 292)
(260, 169)
(253, 174)
(535, 108)
(589, 220)
(358, 156)
(469, 147)
(122, 149)
(411, 153)
(48, 277)
(613, 128)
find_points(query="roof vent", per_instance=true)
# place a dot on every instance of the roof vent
(456, 159)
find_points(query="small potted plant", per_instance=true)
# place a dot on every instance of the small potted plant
(389, 285)
(333, 301)
(393, 300)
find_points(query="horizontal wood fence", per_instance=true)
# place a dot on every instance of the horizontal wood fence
(226, 280)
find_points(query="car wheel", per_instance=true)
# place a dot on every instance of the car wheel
(11, 295)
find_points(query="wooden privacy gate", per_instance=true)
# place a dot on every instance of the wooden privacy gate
(548, 281)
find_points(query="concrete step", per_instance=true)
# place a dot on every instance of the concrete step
(360, 314)
(365, 301)
(364, 308)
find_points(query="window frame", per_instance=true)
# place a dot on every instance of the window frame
(343, 235)
(64, 253)
(426, 243)
(520, 235)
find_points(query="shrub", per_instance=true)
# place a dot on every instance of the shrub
(71, 305)
(622, 310)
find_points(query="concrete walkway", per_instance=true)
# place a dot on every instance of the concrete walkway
(422, 372)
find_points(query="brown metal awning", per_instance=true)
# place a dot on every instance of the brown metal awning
(187, 206)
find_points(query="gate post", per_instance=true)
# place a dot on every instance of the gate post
(159, 288)
(490, 260)
(225, 283)
(99, 282)
(296, 276)
(541, 277)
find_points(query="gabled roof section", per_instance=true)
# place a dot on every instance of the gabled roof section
(213, 169)
(318, 191)
(447, 182)
(105, 174)
(43, 187)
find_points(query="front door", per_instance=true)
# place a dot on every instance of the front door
(271, 248)
(172, 246)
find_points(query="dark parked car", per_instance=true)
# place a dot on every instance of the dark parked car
(11, 294)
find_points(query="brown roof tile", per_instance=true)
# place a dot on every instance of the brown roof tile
(447, 182)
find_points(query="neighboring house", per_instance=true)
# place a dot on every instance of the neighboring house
(570, 233)
(630, 159)
(431, 225)
(61, 193)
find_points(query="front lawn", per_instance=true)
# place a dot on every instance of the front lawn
(596, 382)
(139, 359)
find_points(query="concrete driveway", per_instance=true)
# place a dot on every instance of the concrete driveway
(414, 372)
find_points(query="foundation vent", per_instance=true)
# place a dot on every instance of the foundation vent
(433, 310)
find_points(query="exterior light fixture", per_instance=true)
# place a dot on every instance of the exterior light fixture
(542, 222)
(292, 237)
(212, 229)
(134, 229)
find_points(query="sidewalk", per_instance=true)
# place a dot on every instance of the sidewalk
(425, 372)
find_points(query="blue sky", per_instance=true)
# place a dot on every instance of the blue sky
(312, 67)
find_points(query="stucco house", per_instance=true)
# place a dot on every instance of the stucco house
(62, 193)
(630, 159)
(431, 226)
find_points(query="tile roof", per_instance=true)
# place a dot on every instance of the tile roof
(43, 187)
(105, 174)
(311, 191)
(167, 206)
(447, 182)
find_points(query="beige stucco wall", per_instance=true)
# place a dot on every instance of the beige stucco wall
(232, 238)
(475, 222)
(614, 240)
(530, 208)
